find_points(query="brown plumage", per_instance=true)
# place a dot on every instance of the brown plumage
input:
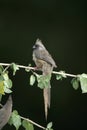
(45, 63)
(5, 112)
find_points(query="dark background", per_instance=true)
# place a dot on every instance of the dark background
(61, 25)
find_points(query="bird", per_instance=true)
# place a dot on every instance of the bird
(45, 63)
(5, 112)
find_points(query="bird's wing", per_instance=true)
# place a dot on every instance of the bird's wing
(45, 56)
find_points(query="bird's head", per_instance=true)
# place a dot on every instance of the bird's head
(38, 45)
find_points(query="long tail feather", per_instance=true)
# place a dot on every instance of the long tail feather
(47, 96)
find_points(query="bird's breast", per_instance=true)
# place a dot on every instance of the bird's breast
(39, 63)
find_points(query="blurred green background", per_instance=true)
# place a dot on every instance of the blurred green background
(61, 25)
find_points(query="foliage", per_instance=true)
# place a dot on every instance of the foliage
(49, 126)
(14, 68)
(42, 81)
(61, 76)
(75, 83)
(27, 125)
(82, 80)
(15, 120)
(5, 83)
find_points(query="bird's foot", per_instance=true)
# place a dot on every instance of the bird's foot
(35, 68)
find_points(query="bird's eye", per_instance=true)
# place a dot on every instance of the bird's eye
(35, 46)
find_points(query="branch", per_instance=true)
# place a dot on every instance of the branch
(66, 74)
(33, 68)
(32, 122)
(20, 66)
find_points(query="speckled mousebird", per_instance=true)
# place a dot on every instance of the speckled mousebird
(45, 63)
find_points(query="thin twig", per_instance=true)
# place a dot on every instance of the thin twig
(20, 66)
(32, 122)
(66, 74)
(6, 68)
(33, 68)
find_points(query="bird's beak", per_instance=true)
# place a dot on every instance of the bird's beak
(34, 47)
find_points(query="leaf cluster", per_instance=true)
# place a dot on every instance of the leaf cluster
(5, 81)
(16, 120)
(42, 82)
(5, 87)
(80, 80)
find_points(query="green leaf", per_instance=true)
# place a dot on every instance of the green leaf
(49, 125)
(49, 129)
(1, 78)
(0, 97)
(58, 77)
(43, 81)
(5, 83)
(8, 83)
(1, 69)
(83, 82)
(14, 67)
(63, 74)
(29, 65)
(1, 87)
(27, 125)
(5, 76)
(15, 120)
(75, 83)
(32, 80)
(7, 90)
(27, 70)
(7, 86)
